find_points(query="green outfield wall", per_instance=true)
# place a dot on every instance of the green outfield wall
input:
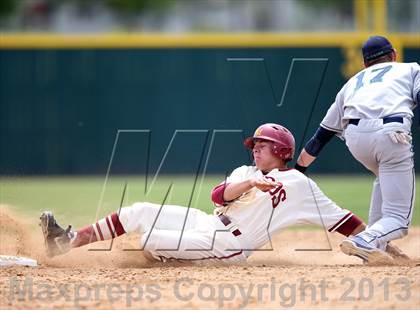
(61, 109)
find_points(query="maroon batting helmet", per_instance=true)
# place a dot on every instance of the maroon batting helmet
(284, 142)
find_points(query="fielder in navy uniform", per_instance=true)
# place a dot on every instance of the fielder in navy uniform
(373, 113)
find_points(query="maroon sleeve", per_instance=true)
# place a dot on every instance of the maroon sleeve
(217, 194)
(347, 224)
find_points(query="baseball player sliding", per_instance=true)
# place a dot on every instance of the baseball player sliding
(252, 204)
(373, 113)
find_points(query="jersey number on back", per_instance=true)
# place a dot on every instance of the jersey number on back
(376, 79)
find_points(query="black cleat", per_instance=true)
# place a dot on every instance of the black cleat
(57, 240)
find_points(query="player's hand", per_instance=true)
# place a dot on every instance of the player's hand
(264, 184)
(400, 137)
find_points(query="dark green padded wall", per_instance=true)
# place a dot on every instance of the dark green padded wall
(60, 110)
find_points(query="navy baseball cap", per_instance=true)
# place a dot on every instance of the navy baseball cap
(376, 46)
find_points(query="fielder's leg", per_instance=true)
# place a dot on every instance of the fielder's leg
(361, 141)
(397, 182)
(398, 200)
(375, 211)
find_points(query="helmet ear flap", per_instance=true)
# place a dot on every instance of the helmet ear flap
(275, 150)
(281, 152)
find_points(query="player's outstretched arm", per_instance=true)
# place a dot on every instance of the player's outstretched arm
(234, 190)
(314, 146)
(304, 160)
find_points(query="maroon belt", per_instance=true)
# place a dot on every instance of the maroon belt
(226, 221)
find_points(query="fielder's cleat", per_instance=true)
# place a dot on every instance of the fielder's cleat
(356, 246)
(57, 240)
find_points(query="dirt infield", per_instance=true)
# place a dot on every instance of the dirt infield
(282, 277)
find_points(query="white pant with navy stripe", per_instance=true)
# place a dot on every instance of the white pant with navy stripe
(393, 191)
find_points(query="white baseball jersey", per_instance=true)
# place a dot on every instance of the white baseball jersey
(175, 232)
(382, 90)
(298, 200)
